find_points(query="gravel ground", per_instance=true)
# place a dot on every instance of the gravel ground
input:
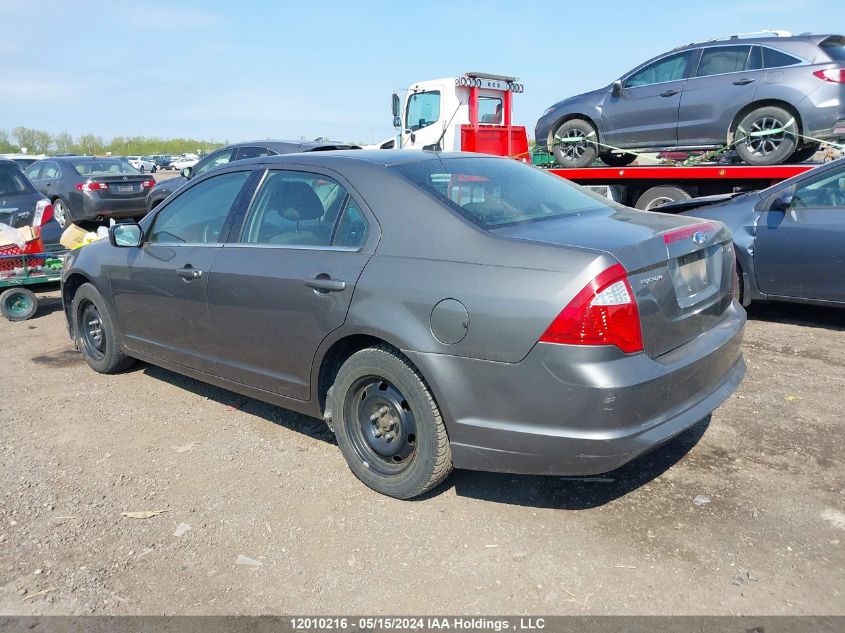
(746, 516)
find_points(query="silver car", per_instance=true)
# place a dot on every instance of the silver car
(774, 98)
(437, 310)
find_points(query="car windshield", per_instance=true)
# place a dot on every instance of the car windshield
(12, 181)
(104, 168)
(493, 192)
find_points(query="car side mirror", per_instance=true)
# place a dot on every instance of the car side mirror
(186, 173)
(616, 89)
(126, 235)
(783, 201)
(396, 106)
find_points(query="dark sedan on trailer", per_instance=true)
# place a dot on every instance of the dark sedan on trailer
(790, 238)
(87, 189)
(437, 310)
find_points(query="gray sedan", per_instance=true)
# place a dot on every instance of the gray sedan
(790, 238)
(436, 310)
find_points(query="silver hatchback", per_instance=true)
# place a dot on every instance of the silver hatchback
(772, 98)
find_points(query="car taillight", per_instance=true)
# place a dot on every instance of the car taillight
(832, 75)
(603, 313)
(91, 186)
(147, 184)
(43, 213)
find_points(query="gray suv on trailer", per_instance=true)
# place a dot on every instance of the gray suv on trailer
(773, 98)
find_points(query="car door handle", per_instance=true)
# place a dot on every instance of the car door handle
(325, 284)
(669, 93)
(744, 82)
(189, 273)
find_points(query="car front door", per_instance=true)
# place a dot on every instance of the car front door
(160, 291)
(724, 82)
(645, 112)
(800, 252)
(285, 280)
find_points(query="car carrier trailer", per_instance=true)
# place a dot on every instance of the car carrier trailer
(473, 112)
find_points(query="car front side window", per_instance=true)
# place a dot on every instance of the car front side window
(197, 215)
(671, 68)
(826, 191)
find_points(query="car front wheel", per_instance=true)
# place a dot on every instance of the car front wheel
(60, 212)
(95, 333)
(574, 143)
(388, 426)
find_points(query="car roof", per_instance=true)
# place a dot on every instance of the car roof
(287, 147)
(382, 157)
(809, 38)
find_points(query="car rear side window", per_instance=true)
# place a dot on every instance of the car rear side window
(492, 192)
(294, 209)
(719, 60)
(773, 58)
(215, 159)
(251, 152)
(12, 181)
(671, 68)
(51, 170)
(197, 215)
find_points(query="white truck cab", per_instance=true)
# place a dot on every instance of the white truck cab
(471, 112)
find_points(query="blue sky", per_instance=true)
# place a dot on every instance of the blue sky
(233, 70)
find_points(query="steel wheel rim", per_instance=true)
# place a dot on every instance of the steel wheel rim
(381, 425)
(17, 304)
(768, 144)
(59, 212)
(91, 325)
(573, 144)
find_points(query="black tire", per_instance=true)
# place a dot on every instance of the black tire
(95, 333)
(61, 213)
(804, 153)
(574, 143)
(379, 393)
(771, 149)
(142, 169)
(617, 160)
(18, 304)
(655, 197)
(740, 285)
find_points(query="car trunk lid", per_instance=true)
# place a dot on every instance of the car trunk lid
(121, 187)
(680, 269)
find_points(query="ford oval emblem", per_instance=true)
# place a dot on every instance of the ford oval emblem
(699, 237)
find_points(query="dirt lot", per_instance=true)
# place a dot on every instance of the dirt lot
(255, 481)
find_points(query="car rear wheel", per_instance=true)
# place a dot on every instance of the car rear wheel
(95, 333)
(18, 304)
(142, 169)
(60, 212)
(767, 136)
(805, 153)
(617, 160)
(388, 425)
(656, 197)
(574, 143)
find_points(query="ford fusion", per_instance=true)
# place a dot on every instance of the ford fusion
(438, 311)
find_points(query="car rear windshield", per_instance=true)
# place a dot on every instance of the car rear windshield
(495, 192)
(12, 181)
(104, 168)
(835, 48)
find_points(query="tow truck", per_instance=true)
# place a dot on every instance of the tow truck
(473, 112)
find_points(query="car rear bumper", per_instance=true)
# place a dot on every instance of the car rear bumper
(93, 208)
(573, 410)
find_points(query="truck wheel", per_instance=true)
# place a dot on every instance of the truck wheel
(805, 153)
(574, 143)
(388, 425)
(18, 304)
(656, 197)
(617, 160)
(769, 136)
(95, 332)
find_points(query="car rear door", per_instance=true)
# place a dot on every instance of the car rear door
(725, 80)
(645, 114)
(160, 293)
(285, 279)
(801, 252)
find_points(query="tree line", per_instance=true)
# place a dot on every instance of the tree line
(42, 142)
